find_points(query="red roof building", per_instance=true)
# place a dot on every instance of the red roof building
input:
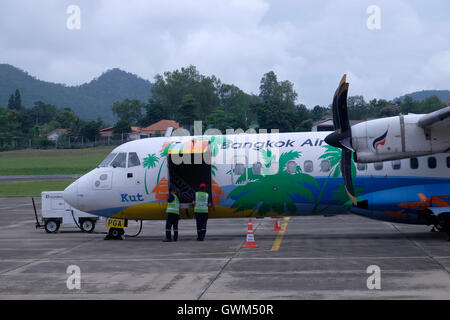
(160, 128)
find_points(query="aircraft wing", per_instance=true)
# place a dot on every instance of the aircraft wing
(435, 120)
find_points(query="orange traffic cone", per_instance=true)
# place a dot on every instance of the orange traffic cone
(250, 236)
(276, 226)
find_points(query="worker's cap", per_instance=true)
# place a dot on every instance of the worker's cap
(203, 186)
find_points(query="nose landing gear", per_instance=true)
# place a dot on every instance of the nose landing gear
(115, 234)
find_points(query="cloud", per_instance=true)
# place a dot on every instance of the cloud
(307, 43)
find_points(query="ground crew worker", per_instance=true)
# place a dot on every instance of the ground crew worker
(201, 205)
(173, 216)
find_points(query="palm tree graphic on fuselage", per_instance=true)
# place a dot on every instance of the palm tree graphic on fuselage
(333, 156)
(273, 192)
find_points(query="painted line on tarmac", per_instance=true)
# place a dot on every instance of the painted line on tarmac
(15, 225)
(16, 206)
(277, 243)
(167, 258)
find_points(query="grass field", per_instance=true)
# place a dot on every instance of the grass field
(45, 162)
(31, 188)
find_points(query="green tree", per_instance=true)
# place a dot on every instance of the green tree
(11, 102)
(43, 113)
(188, 111)
(17, 100)
(431, 104)
(281, 94)
(318, 112)
(65, 118)
(122, 126)
(220, 119)
(90, 130)
(357, 108)
(171, 87)
(129, 110)
(409, 105)
(154, 112)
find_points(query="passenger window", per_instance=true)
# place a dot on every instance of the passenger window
(325, 166)
(378, 166)
(396, 164)
(414, 163)
(108, 160)
(133, 160)
(309, 166)
(448, 162)
(120, 161)
(361, 166)
(432, 163)
(257, 168)
(291, 167)
(239, 169)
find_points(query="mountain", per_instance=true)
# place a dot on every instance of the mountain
(88, 101)
(443, 95)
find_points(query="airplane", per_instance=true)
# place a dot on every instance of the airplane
(394, 169)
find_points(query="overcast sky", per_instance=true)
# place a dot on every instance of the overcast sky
(310, 43)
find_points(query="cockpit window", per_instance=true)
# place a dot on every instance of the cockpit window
(108, 160)
(133, 160)
(120, 161)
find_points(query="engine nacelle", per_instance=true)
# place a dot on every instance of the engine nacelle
(396, 138)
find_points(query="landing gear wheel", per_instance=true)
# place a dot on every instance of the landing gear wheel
(87, 225)
(51, 226)
(115, 234)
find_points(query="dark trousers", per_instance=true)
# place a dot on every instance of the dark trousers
(172, 221)
(202, 220)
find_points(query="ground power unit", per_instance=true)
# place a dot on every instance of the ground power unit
(57, 212)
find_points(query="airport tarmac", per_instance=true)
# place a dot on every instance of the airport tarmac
(312, 258)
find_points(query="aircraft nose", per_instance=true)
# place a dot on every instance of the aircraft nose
(71, 194)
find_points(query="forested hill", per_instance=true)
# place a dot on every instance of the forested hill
(88, 101)
(443, 95)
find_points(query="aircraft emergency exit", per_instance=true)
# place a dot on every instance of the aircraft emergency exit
(395, 169)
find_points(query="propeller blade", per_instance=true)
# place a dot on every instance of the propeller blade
(335, 107)
(342, 136)
(344, 122)
(346, 169)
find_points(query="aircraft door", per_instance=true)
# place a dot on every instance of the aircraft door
(194, 169)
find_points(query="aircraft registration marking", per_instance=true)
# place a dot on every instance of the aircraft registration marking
(115, 223)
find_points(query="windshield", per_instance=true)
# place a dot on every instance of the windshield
(120, 161)
(107, 161)
(133, 160)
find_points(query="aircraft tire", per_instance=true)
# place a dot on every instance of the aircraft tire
(115, 233)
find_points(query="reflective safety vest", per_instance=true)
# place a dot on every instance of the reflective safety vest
(174, 206)
(201, 202)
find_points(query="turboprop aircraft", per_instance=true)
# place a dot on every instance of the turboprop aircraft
(394, 169)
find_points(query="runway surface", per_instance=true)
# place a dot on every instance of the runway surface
(312, 258)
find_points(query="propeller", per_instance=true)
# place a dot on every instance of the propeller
(342, 136)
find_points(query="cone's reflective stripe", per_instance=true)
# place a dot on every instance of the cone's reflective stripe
(174, 206)
(250, 243)
(201, 202)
